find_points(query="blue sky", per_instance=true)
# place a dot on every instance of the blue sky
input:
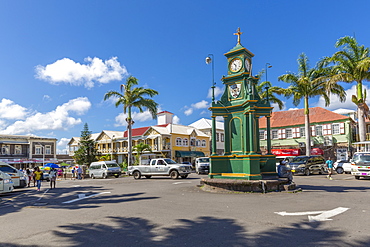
(59, 58)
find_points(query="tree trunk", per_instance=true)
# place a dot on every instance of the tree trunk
(307, 127)
(129, 137)
(361, 124)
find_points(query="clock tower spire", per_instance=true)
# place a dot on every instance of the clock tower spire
(239, 34)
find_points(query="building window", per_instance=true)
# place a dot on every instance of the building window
(289, 133)
(5, 149)
(318, 130)
(217, 137)
(192, 142)
(222, 137)
(47, 149)
(203, 143)
(178, 141)
(302, 131)
(198, 143)
(185, 142)
(262, 134)
(18, 149)
(274, 134)
(38, 150)
(336, 129)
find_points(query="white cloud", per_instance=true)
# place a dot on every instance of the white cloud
(293, 108)
(188, 111)
(348, 104)
(46, 98)
(62, 146)
(276, 107)
(200, 105)
(59, 119)
(70, 72)
(10, 110)
(176, 120)
(136, 116)
(218, 92)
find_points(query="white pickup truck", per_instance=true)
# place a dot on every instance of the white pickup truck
(160, 167)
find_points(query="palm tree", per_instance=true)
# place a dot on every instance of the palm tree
(309, 83)
(352, 64)
(272, 91)
(140, 148)
(133, 97)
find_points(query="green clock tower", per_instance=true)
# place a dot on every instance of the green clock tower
(241, 107)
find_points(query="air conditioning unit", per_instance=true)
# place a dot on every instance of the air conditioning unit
(301, 144)
(328, 141)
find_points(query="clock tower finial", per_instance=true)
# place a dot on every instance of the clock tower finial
(238, 33)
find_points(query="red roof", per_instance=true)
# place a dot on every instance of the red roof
(164, 112)
(137, 131)
(296, 117)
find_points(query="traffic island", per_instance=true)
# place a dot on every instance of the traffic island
(237, 185)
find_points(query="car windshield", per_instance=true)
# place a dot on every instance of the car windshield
(169, 161)
(361, 157)
(300, 159)
(7, 169)
(111, 165)
(204, 160)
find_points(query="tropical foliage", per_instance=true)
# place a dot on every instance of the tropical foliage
(309, 83)
(140, 149)
(129, 97)
(352, 64)
(271, 93)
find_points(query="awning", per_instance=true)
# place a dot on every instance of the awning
(189, 154)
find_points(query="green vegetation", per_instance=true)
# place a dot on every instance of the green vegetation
(87, 152)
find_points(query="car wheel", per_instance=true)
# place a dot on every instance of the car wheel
(307, 172)
(116, 176)
(136, 175)
(104, 176)
(174, 174)
(357, 177)
(92, 176)
(322, 171)
(148, 176)
(184, 176)
(340, 170)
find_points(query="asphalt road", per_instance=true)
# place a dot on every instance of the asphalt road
(164, 212)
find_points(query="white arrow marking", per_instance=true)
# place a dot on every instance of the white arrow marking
(322, 215)
(182, 183)
(84, 197)
(327, 214)
(284, 213)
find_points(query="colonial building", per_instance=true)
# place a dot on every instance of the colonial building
(178, 142)
(330, 132)
(27, 151)
(205, 125)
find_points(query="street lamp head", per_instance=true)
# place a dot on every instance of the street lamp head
(269, 66)
(208, 60)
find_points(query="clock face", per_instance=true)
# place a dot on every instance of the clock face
(247, 65)
(235, 65)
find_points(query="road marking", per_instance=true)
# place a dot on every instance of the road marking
(321, 215)
(43, 195)
(82, 196)
(327, 214)
(182, 183)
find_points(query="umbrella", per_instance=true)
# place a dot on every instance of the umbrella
(51, 165)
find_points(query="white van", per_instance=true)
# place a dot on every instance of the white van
(360, 164)
(202, 165)
(104, 169)
(19, 178)
(6, 183)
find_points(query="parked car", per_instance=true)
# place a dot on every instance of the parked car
(342, 166)
(286, 159)
(19, 178)
(361, 165)
(6, 183)
(307, 165)
(202, 165)
(104, 169)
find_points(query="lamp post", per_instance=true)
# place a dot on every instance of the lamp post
(111, 156)
(208, 61)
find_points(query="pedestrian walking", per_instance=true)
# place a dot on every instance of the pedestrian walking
(329, 165)
(64, 173)
(38, 177)
(34, 176)
(53, 177)
(29, 175)
(73, 173)
(79, 173)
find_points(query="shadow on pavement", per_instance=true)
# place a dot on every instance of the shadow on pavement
(204, 231)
